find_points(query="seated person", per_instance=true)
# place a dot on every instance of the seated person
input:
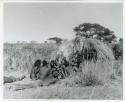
(35, 71)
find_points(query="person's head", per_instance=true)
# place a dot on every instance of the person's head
(44, 62)
(37, 63)
(52, 63)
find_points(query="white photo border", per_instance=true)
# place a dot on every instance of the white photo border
(51, 1)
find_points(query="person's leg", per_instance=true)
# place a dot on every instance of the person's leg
(9, 79)
(31, 84)
(12, 79)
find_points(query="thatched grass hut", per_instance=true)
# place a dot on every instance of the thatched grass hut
(97, 60)
(95, 50)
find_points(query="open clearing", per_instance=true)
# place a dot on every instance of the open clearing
(112, 90)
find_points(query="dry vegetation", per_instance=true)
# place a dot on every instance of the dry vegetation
(20, 57)
(18, 60)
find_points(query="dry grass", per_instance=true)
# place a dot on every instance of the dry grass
(113, 90)
(117, 70)
(69, 88)
(77, 86)
(20, 57)
(97, 61)
(95, 73)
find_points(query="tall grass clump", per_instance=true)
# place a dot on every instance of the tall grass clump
(117, 70)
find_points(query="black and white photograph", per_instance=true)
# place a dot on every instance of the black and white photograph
(63, 50)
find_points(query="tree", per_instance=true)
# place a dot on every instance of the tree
(33, 42)
(96, 31)
(57, 40)
(118, 51)
(121, 41)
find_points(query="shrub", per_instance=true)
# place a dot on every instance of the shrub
(118, 51)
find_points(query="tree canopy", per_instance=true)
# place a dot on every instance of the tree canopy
(96, 31)
(56, 39)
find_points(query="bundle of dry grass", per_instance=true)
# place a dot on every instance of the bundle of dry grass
(97, 61)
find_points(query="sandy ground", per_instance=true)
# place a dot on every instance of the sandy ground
(112, 90)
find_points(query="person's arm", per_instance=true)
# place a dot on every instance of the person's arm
(46, 74)
(32, 73)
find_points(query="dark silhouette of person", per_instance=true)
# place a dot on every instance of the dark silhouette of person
(45, 63)
(34, 74)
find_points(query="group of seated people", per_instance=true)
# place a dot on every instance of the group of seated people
(57, 68)
(42, 69)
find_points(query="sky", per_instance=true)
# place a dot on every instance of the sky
(40, 21)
